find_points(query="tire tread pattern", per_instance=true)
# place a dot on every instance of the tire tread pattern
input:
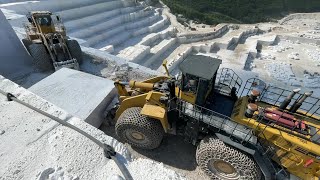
(132, 119)
(213, 148)
(41, 57)
(75, 50)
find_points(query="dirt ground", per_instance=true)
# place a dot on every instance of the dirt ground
(173, 152)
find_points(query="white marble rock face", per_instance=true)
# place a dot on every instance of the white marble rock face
(83, 95)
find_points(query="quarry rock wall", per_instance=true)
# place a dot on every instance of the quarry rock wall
(14, 59)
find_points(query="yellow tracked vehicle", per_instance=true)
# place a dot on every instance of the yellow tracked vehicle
(264, 132)
(48, 44)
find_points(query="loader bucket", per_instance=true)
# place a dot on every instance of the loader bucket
(72, 64)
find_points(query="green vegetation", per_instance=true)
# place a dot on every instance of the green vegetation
(239, 11)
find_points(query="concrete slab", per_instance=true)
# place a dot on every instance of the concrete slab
(83, 95)
(14, 59)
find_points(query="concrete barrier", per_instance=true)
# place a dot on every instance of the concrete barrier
(14, 59)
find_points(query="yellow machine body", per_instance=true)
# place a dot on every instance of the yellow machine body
(141, 95)
(38, 27)
(298, 155)
(47, 29)
(292, 150)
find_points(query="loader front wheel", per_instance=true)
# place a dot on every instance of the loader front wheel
(26, 43)
(75, 50)
(41, 57)
(139, 130)
(220, 161)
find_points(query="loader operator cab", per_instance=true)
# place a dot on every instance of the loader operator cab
(198, 78)
(42, 20)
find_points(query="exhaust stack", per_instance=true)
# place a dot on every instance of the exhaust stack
(253, 96)
(299, 102)
(288, 99)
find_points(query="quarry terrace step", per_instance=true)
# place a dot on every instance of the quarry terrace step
(151, 39)
(78, 24)
(176, 57)
(135, 53)
(84, 11)
(132, 34)
(131, 29)
(158, 50)
(53, 5)
(142, 50)
(121, 20)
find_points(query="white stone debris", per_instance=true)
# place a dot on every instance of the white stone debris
(282, 72)
(280, 48)
(314, 55)
(294, 56)
(267, 56)
(311, 80)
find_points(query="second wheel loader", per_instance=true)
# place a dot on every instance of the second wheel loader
(264, 133)
(48, 44)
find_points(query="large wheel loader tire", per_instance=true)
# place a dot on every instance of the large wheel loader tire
(26, 43)
(220, 161)
(139, 130)
(41, 57)
(75, 50)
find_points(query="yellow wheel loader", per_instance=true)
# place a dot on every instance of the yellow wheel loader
(48, 44)
(242, 130)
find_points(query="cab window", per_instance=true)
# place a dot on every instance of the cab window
(190, 83)
(44, 21)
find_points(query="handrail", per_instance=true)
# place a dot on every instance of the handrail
(215, 119)
(275, 95)
(229, 78)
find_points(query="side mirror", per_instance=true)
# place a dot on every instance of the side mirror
(58, 18)
(164, 64)
(30, 19)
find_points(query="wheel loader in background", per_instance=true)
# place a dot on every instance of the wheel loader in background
(268, 133)
(48, 44)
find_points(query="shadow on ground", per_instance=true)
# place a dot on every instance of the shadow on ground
(173, 151)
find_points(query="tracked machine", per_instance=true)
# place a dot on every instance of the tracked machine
(48, 43)
(264, 132)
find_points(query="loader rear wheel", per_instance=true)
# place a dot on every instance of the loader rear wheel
(220, 161)
(41, 57)
(75, 50)
(139, 130)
